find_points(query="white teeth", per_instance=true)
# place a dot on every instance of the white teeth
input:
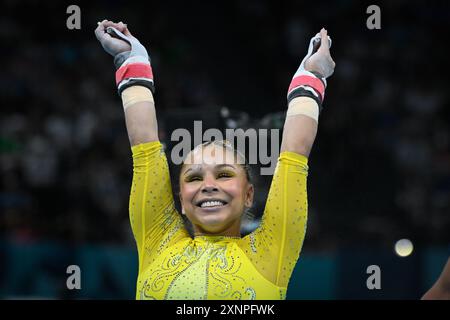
(212, 204)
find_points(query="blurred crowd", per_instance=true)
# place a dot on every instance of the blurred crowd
(380, 168)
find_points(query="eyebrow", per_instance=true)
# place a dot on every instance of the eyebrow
(219, 166)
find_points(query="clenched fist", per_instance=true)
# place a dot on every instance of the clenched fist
(112, 44)
(131, 59)
(321, 61)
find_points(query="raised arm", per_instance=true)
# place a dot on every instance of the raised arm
(305, 96)
(154, 220)
(134, 79)
(275, 246)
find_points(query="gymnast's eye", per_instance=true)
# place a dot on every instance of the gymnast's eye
(225, 175)
(193, 178)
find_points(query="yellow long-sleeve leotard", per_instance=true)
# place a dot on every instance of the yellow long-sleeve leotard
(172, 265)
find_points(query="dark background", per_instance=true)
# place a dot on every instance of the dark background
(379, 171)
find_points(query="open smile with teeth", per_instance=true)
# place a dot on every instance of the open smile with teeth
(212, 204)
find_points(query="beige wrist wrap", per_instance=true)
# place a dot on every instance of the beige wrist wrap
(305, 106)
(135, 94)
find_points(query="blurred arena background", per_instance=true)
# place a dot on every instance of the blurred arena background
(379, 171)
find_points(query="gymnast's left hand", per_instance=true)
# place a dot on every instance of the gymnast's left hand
(321, 62)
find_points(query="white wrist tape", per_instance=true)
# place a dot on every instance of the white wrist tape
(305, 106)
(135, 94)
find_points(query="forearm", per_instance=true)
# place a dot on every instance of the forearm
(300, 129)
(305, 96)
(140, 115)
(134, 80)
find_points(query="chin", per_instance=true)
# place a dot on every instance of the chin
(213, 223)
(213, 220)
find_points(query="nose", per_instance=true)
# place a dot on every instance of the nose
(209, 184)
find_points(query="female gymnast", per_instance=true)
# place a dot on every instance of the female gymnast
(215, 190)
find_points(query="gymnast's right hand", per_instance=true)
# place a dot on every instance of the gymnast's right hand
(130, 56)
(108, 39)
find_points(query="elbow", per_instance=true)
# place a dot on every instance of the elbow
(141, 138)
(138, 134)
(301, 146)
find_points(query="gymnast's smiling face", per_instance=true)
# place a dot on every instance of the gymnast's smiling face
(214, 190)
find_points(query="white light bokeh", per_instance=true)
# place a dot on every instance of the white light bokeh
(404, 247)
